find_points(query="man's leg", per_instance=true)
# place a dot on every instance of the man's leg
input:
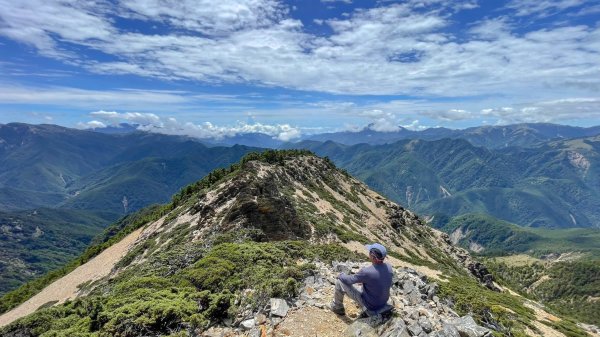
(342, 289)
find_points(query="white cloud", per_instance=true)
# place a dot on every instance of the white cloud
(344, 1)
(91, 125)
(170, 125)
(553, 111)
(450, 115)
(131, 117)
(62, 96)
(543, 8)
(381, 121)
(209, 17)
(35, 21)
(415, 125)
(385, 50)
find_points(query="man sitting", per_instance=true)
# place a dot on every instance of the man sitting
(376, 282)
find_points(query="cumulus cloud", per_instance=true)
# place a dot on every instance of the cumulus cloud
(390, 49)
(381, 121)
(415, 126)
(91, 125)
(153, 123)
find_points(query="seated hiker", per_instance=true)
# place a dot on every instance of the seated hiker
(376, 282)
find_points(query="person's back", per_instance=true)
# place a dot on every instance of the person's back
(376, 286)
(376, 282)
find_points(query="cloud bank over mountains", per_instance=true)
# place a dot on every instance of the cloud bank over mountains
(153, 123)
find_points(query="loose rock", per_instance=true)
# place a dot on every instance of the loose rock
(279, 307)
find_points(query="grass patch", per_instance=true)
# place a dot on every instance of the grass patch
(198, 292)
(567, 327)
(503, 311)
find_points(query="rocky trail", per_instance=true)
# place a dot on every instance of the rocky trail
(417, 312)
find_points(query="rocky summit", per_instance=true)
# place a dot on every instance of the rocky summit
(253, 250)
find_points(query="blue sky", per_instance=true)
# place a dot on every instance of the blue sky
(210, 69)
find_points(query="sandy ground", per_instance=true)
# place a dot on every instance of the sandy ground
(313, 321)
(66, 287)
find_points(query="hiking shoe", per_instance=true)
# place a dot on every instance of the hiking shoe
(337, 310)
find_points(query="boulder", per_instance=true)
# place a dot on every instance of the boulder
(342, 268)
(415, 329)
(248, 324)
(255, 332)
(279, 307)
(425, 324)
(414, 297)
(360, 329)
(467, 327)
(449, 331)
(408, 286)
(395, 328)
(432, 291)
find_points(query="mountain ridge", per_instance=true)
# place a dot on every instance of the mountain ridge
(557, 181)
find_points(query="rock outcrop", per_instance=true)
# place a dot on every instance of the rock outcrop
(418, 311)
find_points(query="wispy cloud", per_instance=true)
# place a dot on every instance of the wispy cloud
(543, 8)
(73, 97)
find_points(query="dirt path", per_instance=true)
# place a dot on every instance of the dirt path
(66, 287)
(312, 321)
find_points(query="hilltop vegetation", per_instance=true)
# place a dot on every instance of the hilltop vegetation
(571, 288)
(155, 301)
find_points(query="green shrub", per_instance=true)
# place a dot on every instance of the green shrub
(502, 310)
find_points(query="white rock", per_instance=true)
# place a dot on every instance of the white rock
(279, 307)
(248, 324)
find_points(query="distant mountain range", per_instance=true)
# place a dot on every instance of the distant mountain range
(523, 135)
(53, 166)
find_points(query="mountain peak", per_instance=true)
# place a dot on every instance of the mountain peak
(282, 195)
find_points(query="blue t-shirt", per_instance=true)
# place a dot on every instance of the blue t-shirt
(376, 280)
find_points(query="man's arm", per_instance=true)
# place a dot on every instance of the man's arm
(359, 277)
